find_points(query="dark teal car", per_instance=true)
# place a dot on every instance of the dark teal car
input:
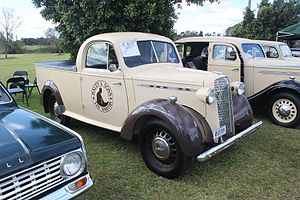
(39, 158)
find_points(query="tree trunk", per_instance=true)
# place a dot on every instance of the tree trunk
(6, 50)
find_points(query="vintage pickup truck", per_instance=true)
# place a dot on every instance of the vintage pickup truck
(134, 83)
(39, 159)
(269, 83)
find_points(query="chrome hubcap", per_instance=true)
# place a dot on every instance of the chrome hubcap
(163, 145)
(284, 110)
(56, 109)
(161, 148)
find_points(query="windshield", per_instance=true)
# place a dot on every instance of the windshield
(137, 53)
(253, 51)
(285, 50)
(4, 98)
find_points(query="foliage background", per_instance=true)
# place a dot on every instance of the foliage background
(271, 17)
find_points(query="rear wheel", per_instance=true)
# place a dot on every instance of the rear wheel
(55, 114)
(284, 110)
(160, 150)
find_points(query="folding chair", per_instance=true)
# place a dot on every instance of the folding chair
(30, 87)
(16, 85)
(23, 74)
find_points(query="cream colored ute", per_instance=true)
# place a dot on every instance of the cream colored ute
(278, 50)
(269, 83)
(134, 83)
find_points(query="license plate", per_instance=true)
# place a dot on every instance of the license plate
(219, 132)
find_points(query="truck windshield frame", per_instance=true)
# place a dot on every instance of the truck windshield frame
(252, 50)
(149, 52)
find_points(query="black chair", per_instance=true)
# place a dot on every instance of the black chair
(23, 74)
(16, 85)
(30, 86)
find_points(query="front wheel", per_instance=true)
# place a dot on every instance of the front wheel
(160, 150)
(284, 110)
(55, 113)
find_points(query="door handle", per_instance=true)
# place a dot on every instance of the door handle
(117, 83)
(235, 69)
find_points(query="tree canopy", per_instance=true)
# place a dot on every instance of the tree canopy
(271, 17)
(79, 19)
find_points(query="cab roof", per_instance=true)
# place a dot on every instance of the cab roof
(118, 37)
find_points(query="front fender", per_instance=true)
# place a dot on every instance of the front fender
(189, 127)
(243, 114)
(50, 88)
(262, 98)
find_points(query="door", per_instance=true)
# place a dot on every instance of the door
(103, 91)
(224, 58)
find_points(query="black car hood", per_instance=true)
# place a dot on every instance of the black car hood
(27, 139)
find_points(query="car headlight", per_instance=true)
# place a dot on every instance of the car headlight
(211, 96)
(206, 95)
(238, 88)
(72, 164)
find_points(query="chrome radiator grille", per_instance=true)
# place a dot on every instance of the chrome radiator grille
(32, 182)
(224, 101)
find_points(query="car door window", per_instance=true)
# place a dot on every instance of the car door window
(271, 52)
(97, 56)
(224, 52)
(100, 55)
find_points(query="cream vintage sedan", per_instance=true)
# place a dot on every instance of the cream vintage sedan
(269, 83)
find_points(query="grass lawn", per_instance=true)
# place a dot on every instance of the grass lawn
(265, 165)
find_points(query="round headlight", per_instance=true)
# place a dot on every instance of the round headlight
(211, 96)
(240, 88)
(72, 164)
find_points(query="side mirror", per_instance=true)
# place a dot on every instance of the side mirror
(112, 67)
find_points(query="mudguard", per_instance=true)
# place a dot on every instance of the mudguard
(243, 114)
(48, 89)
(262, 98)
(189, 127)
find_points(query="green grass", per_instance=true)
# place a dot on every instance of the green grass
(265, 165)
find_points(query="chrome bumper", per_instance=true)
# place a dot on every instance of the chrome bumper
(217, 149)
(65, 193)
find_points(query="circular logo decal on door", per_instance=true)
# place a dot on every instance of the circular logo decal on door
(102, 96)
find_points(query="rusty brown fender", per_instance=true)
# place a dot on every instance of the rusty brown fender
(190, 128)
(243, 114)
(48, 89)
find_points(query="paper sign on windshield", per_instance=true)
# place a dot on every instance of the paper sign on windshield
(130, 48)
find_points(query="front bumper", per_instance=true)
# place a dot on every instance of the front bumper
(65, 193)
(217, 149)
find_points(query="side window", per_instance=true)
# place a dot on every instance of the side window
(271, 52)
(180, 49)
(224, 52)
(219, 52)
(188, 50)
(97, 56)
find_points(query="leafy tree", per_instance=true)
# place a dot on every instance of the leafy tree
(79, 19)
(271, 17)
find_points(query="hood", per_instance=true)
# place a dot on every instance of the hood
(27, 139)
(167, 73)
